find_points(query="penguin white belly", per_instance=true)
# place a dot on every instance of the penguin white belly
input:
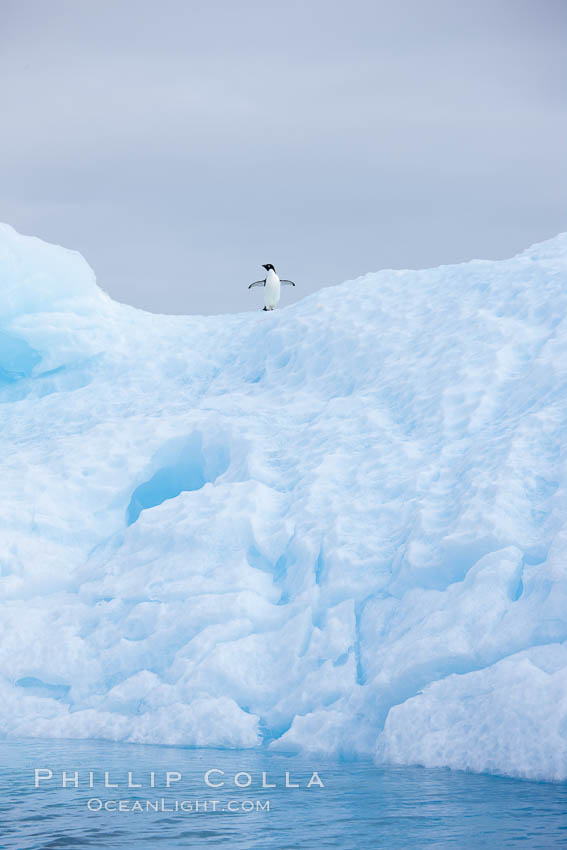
(271, 290)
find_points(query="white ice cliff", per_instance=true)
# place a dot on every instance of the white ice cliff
(340, 527)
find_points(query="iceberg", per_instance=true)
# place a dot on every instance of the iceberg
(337, 528)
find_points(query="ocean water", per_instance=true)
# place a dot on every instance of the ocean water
(359, 806)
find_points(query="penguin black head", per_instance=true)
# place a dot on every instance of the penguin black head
(268, 267)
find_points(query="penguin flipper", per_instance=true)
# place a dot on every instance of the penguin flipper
(287, 282)
(257, 283)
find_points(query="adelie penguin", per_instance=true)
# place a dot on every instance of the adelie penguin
(271, 284)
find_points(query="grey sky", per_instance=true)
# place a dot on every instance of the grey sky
(178, 144)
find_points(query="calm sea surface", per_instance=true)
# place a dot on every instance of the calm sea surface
(360, 806)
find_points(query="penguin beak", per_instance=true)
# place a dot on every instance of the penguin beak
(266, 266)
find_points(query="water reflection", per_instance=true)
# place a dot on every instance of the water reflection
(360, 805)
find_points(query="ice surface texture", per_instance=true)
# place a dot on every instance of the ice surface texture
(339, 527)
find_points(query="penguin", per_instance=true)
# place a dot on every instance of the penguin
(271, 284)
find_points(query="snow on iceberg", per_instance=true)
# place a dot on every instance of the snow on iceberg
(339, 527)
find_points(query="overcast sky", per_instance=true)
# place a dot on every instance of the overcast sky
(179, 144)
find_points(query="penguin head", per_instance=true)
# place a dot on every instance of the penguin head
(268, 267)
